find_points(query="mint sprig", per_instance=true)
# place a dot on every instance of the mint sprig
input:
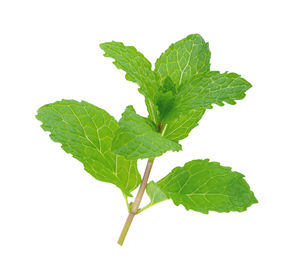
(177, 93)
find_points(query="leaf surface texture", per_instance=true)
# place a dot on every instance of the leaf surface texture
(205, 186)
(86, 132)
(183, 60)
(138, 69)
(210, 88)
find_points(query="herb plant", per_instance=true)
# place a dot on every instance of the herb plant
(177, 93)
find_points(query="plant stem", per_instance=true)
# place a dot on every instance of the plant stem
(136, 204)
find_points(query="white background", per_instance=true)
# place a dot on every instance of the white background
(53, 215)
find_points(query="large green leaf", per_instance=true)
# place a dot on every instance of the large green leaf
(138, 137)
(210, 88)
(205, 186)
(86, 132)
(184, 59)
(138, 69)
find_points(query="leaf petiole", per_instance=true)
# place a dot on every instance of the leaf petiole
(144, 208)
(127, 203)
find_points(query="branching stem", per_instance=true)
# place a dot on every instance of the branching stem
(136, 204)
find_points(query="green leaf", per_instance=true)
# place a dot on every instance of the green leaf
(205, 186)
(179, 127)
(138, 69)
(155, 193)
(199, 94)
(137, 137)
(184, 59)
(86, 132)
(210, 88)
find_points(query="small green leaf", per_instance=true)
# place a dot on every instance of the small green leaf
(165, 102)
(210, 88)
(138, 69)
(86, 132)
(179, 127)
(137, 137)
(168, 85)
(155, 193)
(166, 97)
(184, 59)
(205, 186)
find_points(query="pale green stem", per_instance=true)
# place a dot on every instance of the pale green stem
(136, 204)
